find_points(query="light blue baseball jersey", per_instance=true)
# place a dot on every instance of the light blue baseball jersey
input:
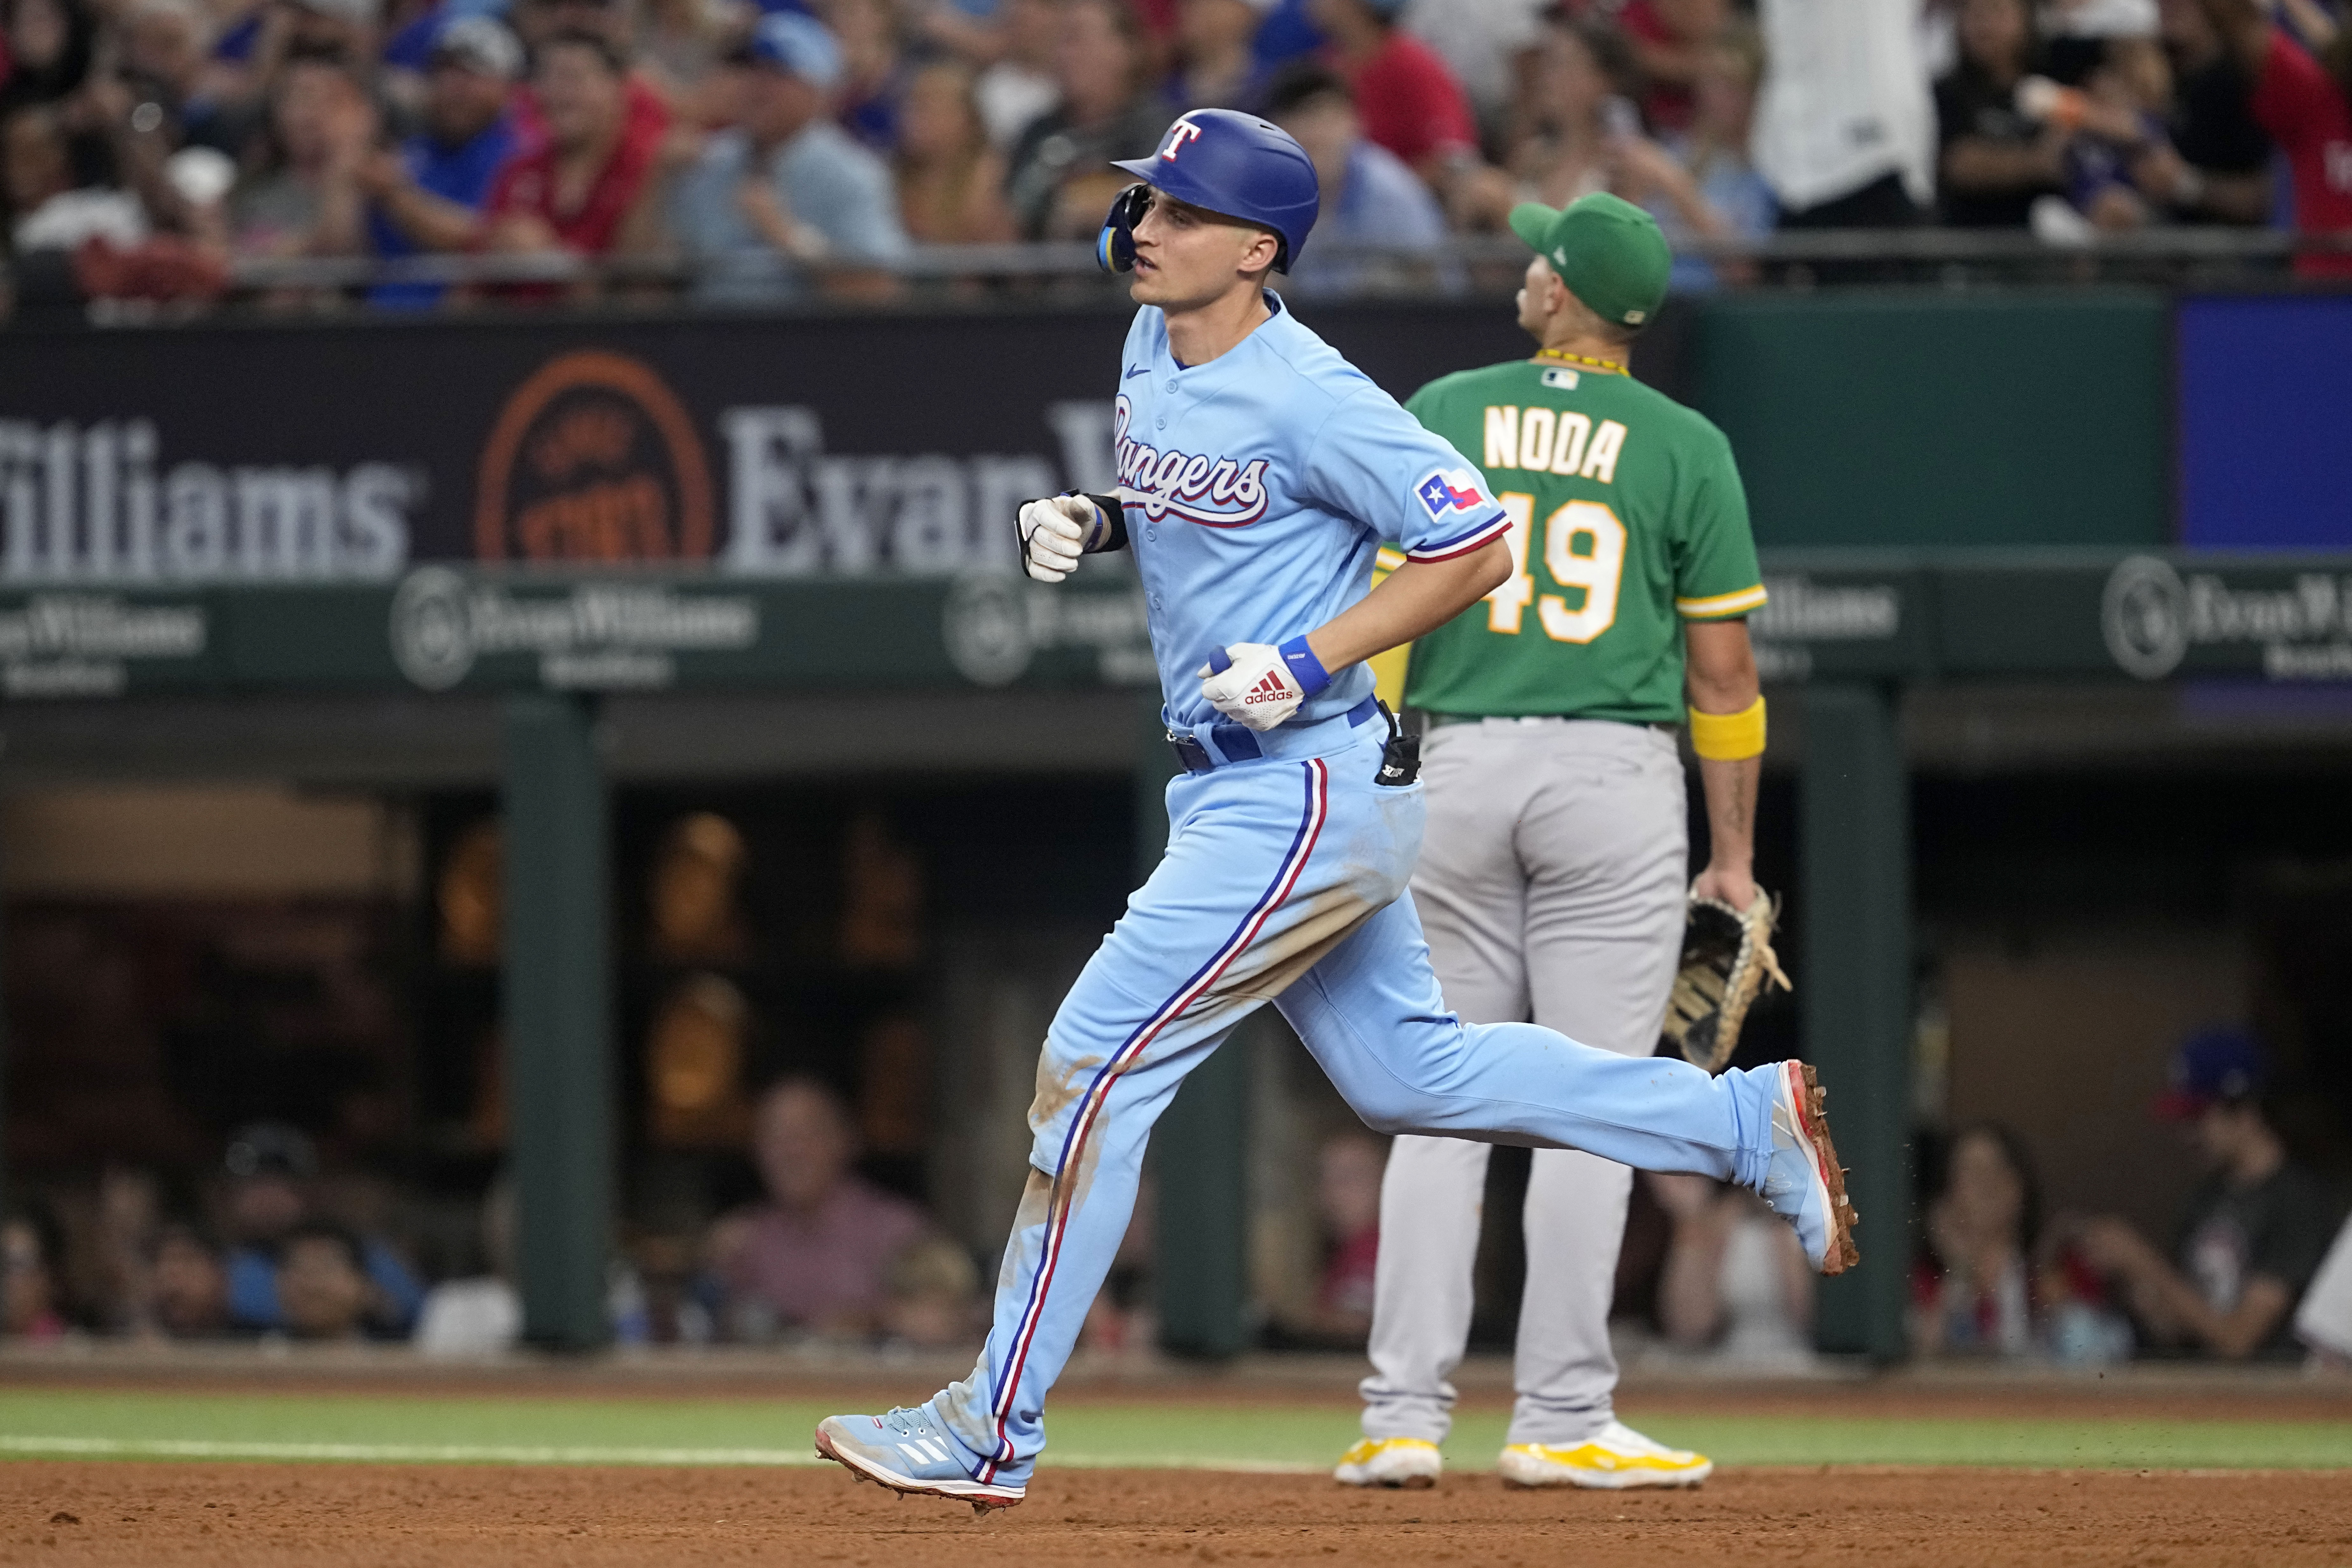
(1259, 486)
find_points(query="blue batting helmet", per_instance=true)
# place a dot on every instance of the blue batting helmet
(1221, 160)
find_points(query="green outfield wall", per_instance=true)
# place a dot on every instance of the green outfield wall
(1903, 420)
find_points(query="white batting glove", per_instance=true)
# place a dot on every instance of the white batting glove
(1253, 683)
(1054, 534)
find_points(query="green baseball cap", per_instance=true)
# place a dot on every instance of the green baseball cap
(1606, 250)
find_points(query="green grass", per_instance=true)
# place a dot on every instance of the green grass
(108, 1424)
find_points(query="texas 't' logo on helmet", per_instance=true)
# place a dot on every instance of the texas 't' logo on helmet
(1183, 131)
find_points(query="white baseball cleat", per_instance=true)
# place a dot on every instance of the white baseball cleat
(1390, 1462)
(1804, 1184)
(1615, 1458)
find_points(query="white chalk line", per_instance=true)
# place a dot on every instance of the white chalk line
(537, 1454)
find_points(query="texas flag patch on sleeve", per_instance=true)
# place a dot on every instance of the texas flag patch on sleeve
(1467, 519)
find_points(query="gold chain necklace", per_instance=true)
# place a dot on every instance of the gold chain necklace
(1608, 366)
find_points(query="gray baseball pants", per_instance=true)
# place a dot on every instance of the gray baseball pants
(1551, 885)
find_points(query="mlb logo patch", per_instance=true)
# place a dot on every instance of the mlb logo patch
(1451, 490)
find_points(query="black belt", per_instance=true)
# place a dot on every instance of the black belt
(1239, 741)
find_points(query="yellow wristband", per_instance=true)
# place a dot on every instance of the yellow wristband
(1728, 737)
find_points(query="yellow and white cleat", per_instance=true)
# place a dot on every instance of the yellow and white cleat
(1390, 1462)
(1615, 1457)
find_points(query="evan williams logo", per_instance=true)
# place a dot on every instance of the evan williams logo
(1216, 492)
(593, 459)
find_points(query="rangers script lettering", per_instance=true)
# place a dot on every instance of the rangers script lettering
(1176, 484)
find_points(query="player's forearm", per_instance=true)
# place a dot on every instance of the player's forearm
(1721, 674)
(1730, 790)
(1414, 600)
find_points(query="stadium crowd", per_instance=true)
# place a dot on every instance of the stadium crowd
(784, 148)
(273, 1247)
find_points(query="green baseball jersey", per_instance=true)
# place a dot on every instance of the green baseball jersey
(1627, 518)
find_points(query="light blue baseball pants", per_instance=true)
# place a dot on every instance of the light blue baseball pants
(1284, 883)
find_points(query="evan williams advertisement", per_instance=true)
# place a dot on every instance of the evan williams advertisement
(779, 447)
(355, 454)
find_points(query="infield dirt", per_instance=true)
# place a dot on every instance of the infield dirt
(324, 1516)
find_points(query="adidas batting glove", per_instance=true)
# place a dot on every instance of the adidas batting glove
(1260, 686)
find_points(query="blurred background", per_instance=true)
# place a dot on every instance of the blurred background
(533, 810)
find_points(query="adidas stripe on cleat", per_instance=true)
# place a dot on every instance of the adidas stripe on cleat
(911, 1453)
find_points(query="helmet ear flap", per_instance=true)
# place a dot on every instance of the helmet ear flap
(1115, 245)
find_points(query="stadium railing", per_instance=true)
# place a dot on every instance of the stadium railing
(1464, 266)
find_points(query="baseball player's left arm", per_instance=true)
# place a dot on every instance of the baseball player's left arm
(1415, 599)
(1373, 462)
(1721, 672)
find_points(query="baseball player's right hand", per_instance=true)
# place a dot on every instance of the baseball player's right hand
(1249, 683)
(1054, 534)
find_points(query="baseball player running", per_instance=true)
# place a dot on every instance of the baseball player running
(1259, 474)
(1551, 884)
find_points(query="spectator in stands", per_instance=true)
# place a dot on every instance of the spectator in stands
(480, 1314)
(48, 210)
(1347, 1198)
(1586, 137)
(1017, 85)
(1736, 1284)
(1846, 122)
(166, 46)
(2305, 105)
(1714, 153)
(303, 198)
(873, 69)
(681, 45)
(1576, 114)
(31, 1249)
(1994, 159)
(118, 1250)
(293, 30)
(816, 1258)
(1215, 67)
(2215, 165)
(932, 1292)
(1486, 44)
(322, 1291)
(588, 189)
(1670, 40)
(1060, 187)
(951, 182)
(2126, 99)
(270, 1168)
(1409, 102)
(429, 194)
(2253, 1234)
(1369, 197)
(50, 45)
(648, 118)
(787, 196)
(190, 1288)
(1972, 1288)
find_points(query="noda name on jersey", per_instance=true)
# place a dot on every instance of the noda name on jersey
(1546, 441)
